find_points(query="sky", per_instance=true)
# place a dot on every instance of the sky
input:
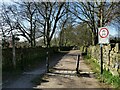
(112, 29)
(62, 0)
(6, 1)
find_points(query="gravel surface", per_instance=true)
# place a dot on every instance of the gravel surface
(64, 75)
(25, 79)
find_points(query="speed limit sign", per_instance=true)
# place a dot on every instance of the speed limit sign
(103, 35)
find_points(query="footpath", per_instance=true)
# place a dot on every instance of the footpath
(63, 74)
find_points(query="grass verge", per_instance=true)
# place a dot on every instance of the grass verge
(106, 77)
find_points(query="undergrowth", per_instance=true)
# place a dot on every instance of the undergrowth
(106, 77)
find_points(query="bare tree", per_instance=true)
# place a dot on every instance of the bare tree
(51, 13)
(95, 14)
(27, 21)
(8, 25)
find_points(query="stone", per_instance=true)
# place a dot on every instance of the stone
(117, 47)
(114, 72)
(111, 57)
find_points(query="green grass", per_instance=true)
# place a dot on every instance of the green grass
(110, 79)
(93, 64)
(106, 77)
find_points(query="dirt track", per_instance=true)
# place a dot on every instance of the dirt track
(64, 74)
(25, 79)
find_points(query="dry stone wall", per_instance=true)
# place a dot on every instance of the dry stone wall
(111, 56)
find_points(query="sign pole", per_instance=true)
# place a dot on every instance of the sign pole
(103, 38)
(101, 50)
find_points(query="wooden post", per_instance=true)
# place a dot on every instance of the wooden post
(14, 58)
(78, 60)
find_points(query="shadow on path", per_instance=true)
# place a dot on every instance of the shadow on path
(25, 79)
(64, 75)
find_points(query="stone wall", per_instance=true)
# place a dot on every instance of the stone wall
(25, 57)
(111, 56)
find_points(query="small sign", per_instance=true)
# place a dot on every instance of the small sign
(103, 35)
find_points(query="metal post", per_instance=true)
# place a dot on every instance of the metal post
(47, 61)
(101, 49)
(78, 59)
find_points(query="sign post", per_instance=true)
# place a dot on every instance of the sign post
(103, 38)
(101, 61)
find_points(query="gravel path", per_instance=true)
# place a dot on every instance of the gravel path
(64, 74)
(25, 80)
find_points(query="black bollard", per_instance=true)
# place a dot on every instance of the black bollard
(78, 60)
(47, 61)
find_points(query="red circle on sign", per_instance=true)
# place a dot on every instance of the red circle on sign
(105, 30)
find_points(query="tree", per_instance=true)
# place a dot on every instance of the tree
(95, 14)
(26, 21)
(9, 26)
(51, 13)
(23, 17)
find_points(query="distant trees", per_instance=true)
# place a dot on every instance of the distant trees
(79, 35)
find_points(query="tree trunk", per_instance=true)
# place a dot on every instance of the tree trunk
(48, 42)
(44, 39)
(34, 38)
(31, 42)
(61, 42)
(34, 43)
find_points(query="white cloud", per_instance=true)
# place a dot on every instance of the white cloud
(5, 0)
